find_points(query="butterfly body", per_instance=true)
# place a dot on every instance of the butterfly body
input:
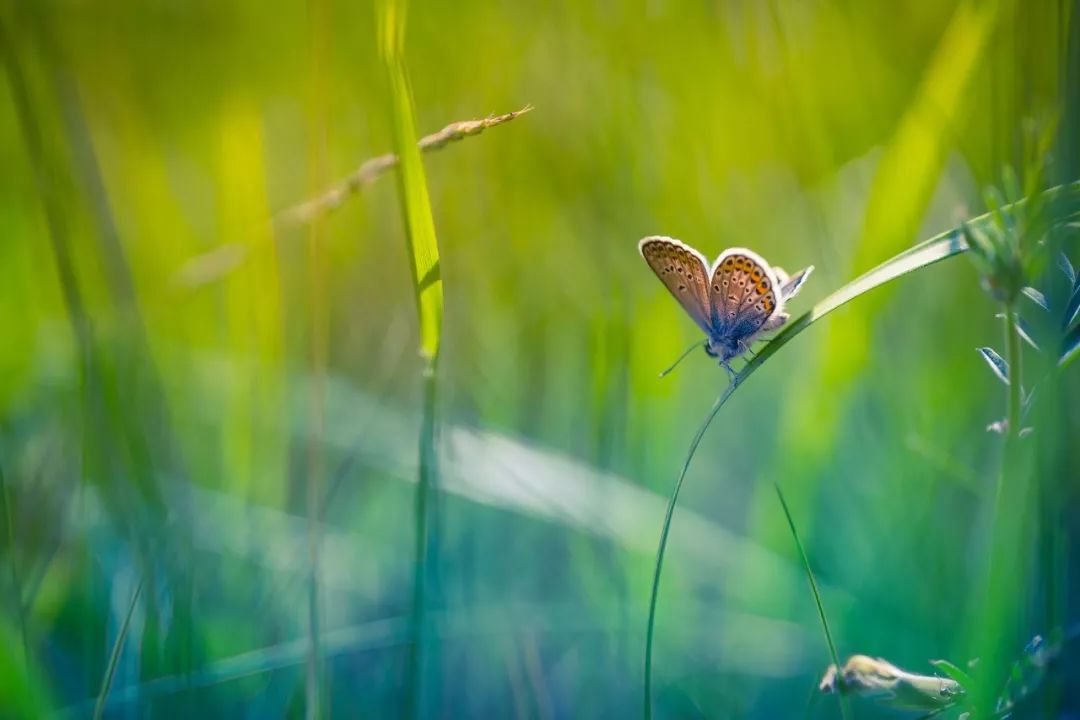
(734, 301)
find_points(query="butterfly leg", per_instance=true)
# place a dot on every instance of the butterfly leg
(731, 371)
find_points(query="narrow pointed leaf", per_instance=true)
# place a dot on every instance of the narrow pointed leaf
(1067, 268)
(1023, 328)
(412, 183)
(1070, 347)
(1072, 309)
(1037, 297)
(954, 672)
(996, 363)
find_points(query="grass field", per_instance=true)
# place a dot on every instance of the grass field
(329, 365)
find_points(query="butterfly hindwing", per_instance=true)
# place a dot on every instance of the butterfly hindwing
(742, 293)
(682, 270)
(790, 286)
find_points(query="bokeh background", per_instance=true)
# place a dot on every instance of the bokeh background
(232, 442)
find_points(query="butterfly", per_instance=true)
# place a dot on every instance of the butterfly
(735, 301)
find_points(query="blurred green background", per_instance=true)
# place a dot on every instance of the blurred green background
(215, 443)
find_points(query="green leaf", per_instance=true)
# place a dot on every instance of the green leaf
(954, 672)
(1067, 268)
(996, 363)
(415, 203)
(1036, 297)
(1070, 347)
(1023, 328)
(1072, 309)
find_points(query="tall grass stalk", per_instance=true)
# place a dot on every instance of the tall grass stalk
(844, 712)
(427, 284)
(1001, 596)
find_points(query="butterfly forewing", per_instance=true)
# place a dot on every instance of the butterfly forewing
(682, 270)
(742, 292)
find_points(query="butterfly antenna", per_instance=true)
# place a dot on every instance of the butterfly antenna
(683, 357)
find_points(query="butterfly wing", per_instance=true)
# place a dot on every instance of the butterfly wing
(683, 271)
(742, 293)
(790, 286)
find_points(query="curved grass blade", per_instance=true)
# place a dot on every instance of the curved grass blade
(926, 253)
(817, 595)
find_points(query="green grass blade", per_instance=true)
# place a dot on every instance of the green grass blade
(954, 672)
(427, 283)
(114, 656)
(16, 581)
(416, 205)
(814, 589)
(924, 254)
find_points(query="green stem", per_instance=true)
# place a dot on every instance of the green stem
(817, 595)
(5, 497)
(1015, 399)
(114, 657)
(665, 528)
(999, 599)
(425, 485)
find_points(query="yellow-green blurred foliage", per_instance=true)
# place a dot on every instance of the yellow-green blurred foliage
(162, 425)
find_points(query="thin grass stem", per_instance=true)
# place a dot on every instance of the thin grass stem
(664, 530)
(16, 580)
(844, 712)
(1013, 357)
(421, 541)
(114, 656)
